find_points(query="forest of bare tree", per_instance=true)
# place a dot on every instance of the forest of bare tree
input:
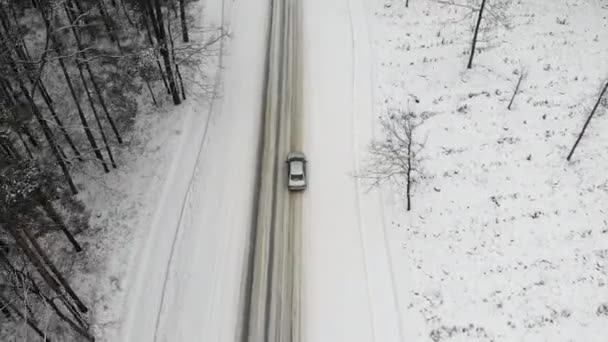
(72, 72)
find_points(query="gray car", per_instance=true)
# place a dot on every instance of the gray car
(296, 171)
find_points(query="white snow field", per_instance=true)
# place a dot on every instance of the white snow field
(506, 241)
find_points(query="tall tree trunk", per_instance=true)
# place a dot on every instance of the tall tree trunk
(157, 17)
(9, 148)
(160, 68)
(47, 261)
(47, 133)
(108, 24)
(80, 326)
(126, 12)
(56, 218)
(65, 133)
(83, 119)
(179, 75)
(182, 11)
(580, 136)
(151, 92)
(474, 43)
(99, 126)
(32, 257)
(68, 80)
(9, 94)
(24, 143)
(82, 330)
(37, 84)
(409, 173)
(83, 56)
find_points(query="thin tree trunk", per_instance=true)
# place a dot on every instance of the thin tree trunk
(179, 75)
(66, 75)
(30, 136)
(21, 49)
(483, 5)
(65, 133)
(102, 102)
(49, 136)
(83, 119)
(99, 126)
(126, 12)
(30, 322)
(182, 11)
(580, 136)
(10, 149)
(56, 218)
(47, 261)
(81, 329)
(37, 83)
(106, 21)
(149, 35)
(516, 90)
(32, 257)
(24, 143)
(10, 96)
(74, 311)
(409, 173)
(75, 326)
(151, 93)
(11, 7)
(157, 17)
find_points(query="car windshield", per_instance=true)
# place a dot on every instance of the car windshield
(297, 177)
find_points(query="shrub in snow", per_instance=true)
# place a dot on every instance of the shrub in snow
(602, 310)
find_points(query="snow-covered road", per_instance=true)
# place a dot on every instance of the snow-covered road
(319, 269)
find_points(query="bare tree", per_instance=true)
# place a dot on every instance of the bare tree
(580, 136)
(182, 12)
(522, 75)
(474, 42)
(488, 15)
(394, 157)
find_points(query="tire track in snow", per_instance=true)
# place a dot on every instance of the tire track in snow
(191, 182)
(355, 147)
(268, 312)
(380, 194)
(357, 169)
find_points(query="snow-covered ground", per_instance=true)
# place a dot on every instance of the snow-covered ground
(506, 241)
(169, 228)
(347, 289)
(193, 260)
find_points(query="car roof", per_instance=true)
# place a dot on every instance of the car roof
(297, 167)
(296, 155)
